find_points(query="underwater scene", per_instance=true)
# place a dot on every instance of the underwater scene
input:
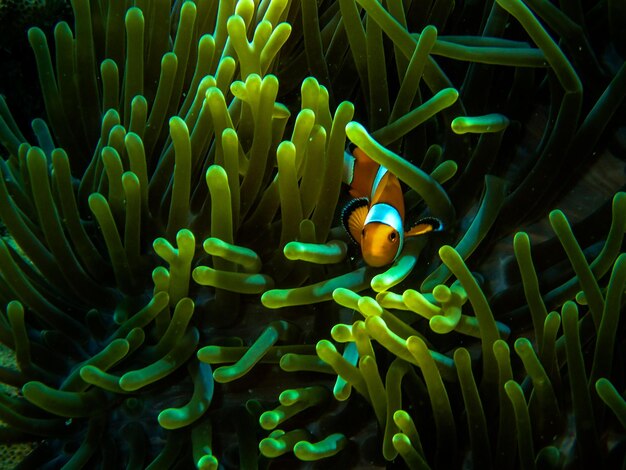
(312, 234)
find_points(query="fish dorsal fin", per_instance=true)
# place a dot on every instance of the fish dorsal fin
(353, 217)
(425, 225)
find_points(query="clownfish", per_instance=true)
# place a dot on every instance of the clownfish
(374, 219)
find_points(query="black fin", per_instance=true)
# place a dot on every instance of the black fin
(436, 224)
(347, 210)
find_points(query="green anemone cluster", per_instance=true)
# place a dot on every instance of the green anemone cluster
(176, 290)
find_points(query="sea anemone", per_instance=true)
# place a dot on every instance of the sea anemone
(176, 291)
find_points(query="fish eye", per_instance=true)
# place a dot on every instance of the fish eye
(392, 236)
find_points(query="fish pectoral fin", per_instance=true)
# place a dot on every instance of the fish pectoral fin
(425, 225)
(353, 217)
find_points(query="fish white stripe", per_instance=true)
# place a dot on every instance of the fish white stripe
(348, 168)
(388, 215)
(379, 176)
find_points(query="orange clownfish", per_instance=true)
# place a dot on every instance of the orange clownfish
(375, 218)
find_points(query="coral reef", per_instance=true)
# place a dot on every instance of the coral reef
(176, 289)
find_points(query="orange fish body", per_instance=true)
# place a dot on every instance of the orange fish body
(375, 218)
